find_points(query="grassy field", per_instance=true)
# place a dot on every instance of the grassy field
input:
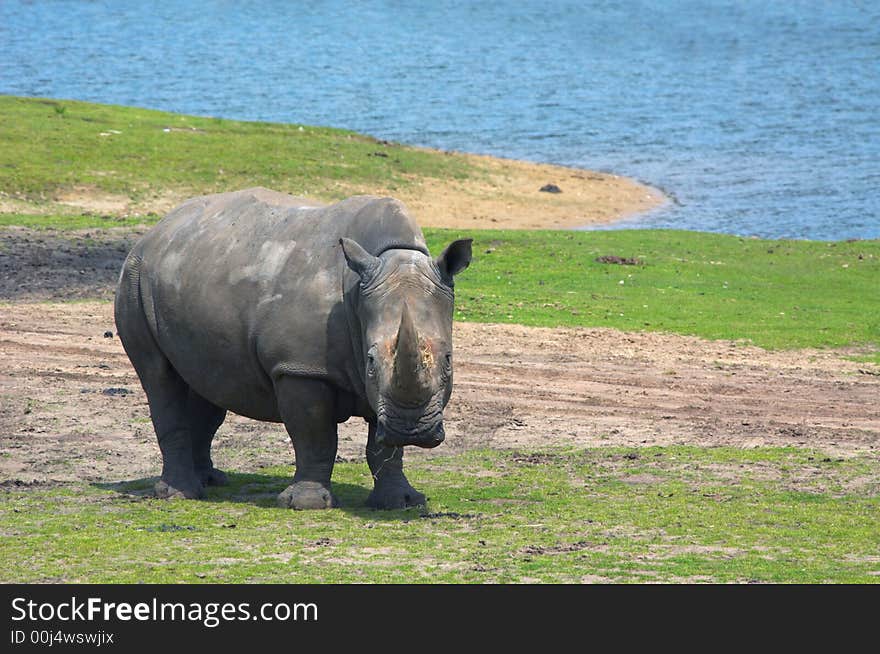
(651, 514)
(56, 144)
(775, 294)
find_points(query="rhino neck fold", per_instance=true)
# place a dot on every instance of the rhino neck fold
(350, 307)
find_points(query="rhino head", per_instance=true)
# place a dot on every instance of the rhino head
(405, 308)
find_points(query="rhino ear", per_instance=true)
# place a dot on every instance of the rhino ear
(455, 258)
(359, 260)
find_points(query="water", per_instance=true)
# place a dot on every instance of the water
(758, 118)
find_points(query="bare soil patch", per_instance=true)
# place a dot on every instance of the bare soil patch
(90, 198)
(47, 265)
(508, 195)
(71, 407)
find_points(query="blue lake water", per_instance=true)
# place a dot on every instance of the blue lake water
(757, 117)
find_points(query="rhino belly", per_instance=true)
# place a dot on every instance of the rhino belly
(207, 338)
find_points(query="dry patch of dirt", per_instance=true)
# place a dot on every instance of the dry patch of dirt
(507, 195)
(602, 386)
(92, 199)
(71, 407)
(88, 199)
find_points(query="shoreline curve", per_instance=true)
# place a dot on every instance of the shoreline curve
(505, 194)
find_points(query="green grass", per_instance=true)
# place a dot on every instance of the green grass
(569, 515)
(51, 145)
(73, 221)
(775, 294)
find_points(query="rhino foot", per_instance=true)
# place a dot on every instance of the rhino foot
(395, 495)
(179, 490)
(213, 477)
(307, 495)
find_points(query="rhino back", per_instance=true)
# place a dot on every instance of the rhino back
(244, 287)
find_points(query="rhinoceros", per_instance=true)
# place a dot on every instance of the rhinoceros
(283, 310)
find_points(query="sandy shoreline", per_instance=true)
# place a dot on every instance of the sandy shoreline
(505, 194)
(499, 194)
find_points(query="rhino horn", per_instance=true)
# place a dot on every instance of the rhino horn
(408, 381)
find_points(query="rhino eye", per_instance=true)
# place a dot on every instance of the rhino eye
(371, 363)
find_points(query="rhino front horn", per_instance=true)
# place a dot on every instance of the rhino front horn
(408, 381)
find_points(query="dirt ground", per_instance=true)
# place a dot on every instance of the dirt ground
(509, 196)
(71, 407)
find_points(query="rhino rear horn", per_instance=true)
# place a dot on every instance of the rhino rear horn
(358, 259)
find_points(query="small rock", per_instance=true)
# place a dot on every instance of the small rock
(550, 188)
(116, 391)
(622, 261)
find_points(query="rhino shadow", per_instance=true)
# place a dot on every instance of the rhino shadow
(261, 490)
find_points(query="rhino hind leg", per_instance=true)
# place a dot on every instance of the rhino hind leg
(391, 488)
(204, 420)
(307, 407)
(168, 396)
(184, 422)
(185, 425)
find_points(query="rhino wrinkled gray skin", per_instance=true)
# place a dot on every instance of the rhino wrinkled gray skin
(281, 310)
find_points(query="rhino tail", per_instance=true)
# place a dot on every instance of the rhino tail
(130, 278)
(133, 308)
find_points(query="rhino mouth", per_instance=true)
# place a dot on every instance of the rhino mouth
(431, 437)
(422, 431)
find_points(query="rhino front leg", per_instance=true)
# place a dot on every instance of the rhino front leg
(391, 489)
(307, 408)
